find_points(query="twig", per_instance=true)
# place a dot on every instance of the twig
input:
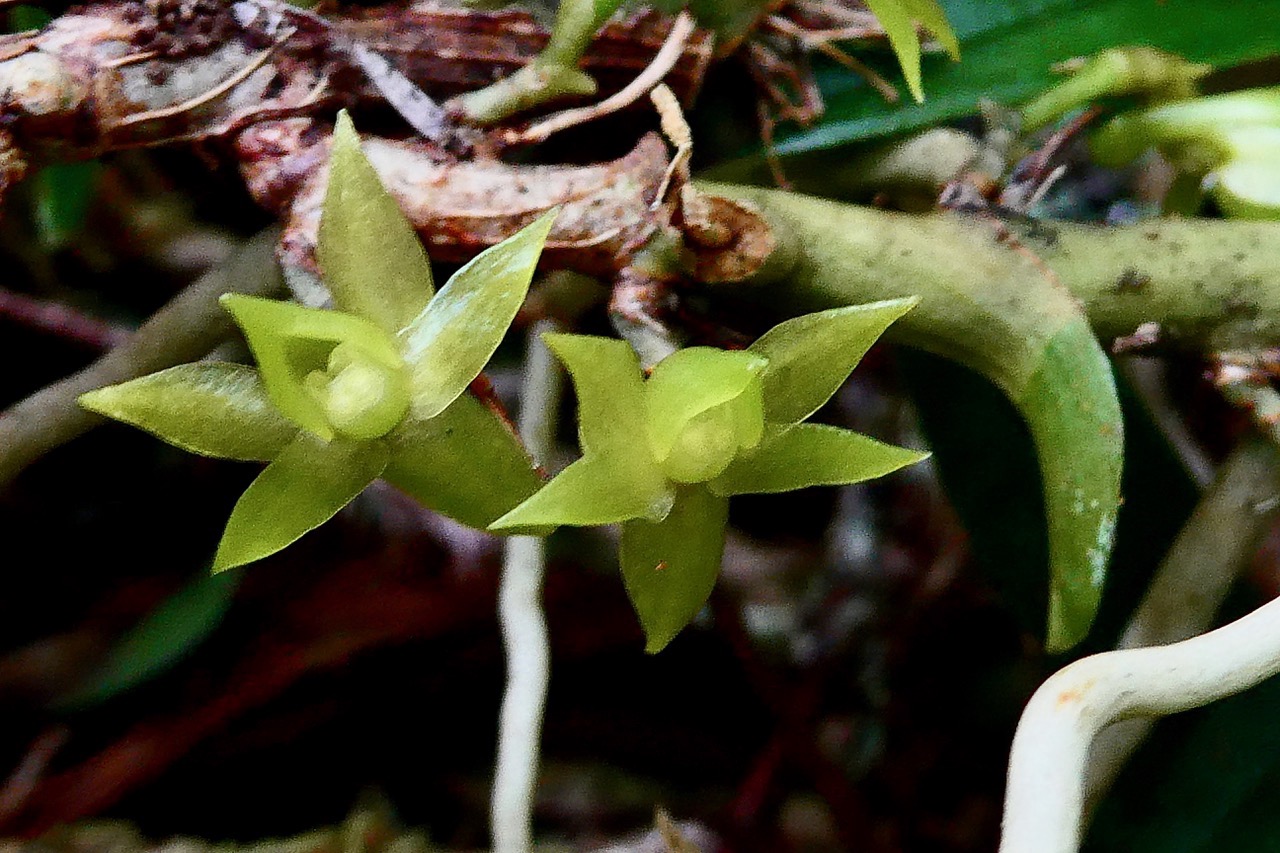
(663, 62)
(1215, 545)
(183, 330)
(61, 320)
(22, 781)
(822, 41)
(524, 627)
(1148, 378)
(1044, 798)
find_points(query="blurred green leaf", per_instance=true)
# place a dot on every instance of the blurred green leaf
(1010, 47)
(671, 567)
(811, 356)
(1250, 189)
(372, 260)
(63, 194)
(210, 408)
(448, 343)
(806, 455)
(164, 636)
(23, 17)
(290, 341)
(730, 19)
(303, 488)
(465, 462)
(899, 19)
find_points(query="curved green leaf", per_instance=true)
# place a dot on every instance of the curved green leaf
(164, 636)
(691, 381)
(1071, 407)
(303, 488)
(290, 341)
(372, 260)
(448, 344)
(465, 463)
(591, 491)
(899, 19)
(209, 408)
(670, 567)
(812, 455)
(811, 356)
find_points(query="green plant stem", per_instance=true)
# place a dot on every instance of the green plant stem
(185, 329)
(1209, 284)
(552, 74)
(1213, 548)
(524, 627)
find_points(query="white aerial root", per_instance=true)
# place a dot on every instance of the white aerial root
(1214, 547)
(524, 628)
(1044, 798)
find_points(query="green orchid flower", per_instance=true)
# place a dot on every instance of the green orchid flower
(377, 388)
(663, 456)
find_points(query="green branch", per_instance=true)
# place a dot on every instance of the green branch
(185, 329)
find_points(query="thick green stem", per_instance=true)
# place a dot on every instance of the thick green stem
(1210, 285)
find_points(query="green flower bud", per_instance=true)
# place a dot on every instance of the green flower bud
(704, 448)
(362, 398)
(704, 407)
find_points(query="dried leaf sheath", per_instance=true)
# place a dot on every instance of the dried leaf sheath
(462, 208)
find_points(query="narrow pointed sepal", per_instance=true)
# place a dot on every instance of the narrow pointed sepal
(811, 356)
(610, 390)
(670, 567)
(465, 463)
(610, 387)
(811, 455)
(448, 343)
(303, 488)
(589, 492)
(372, 260)
(210, 408)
